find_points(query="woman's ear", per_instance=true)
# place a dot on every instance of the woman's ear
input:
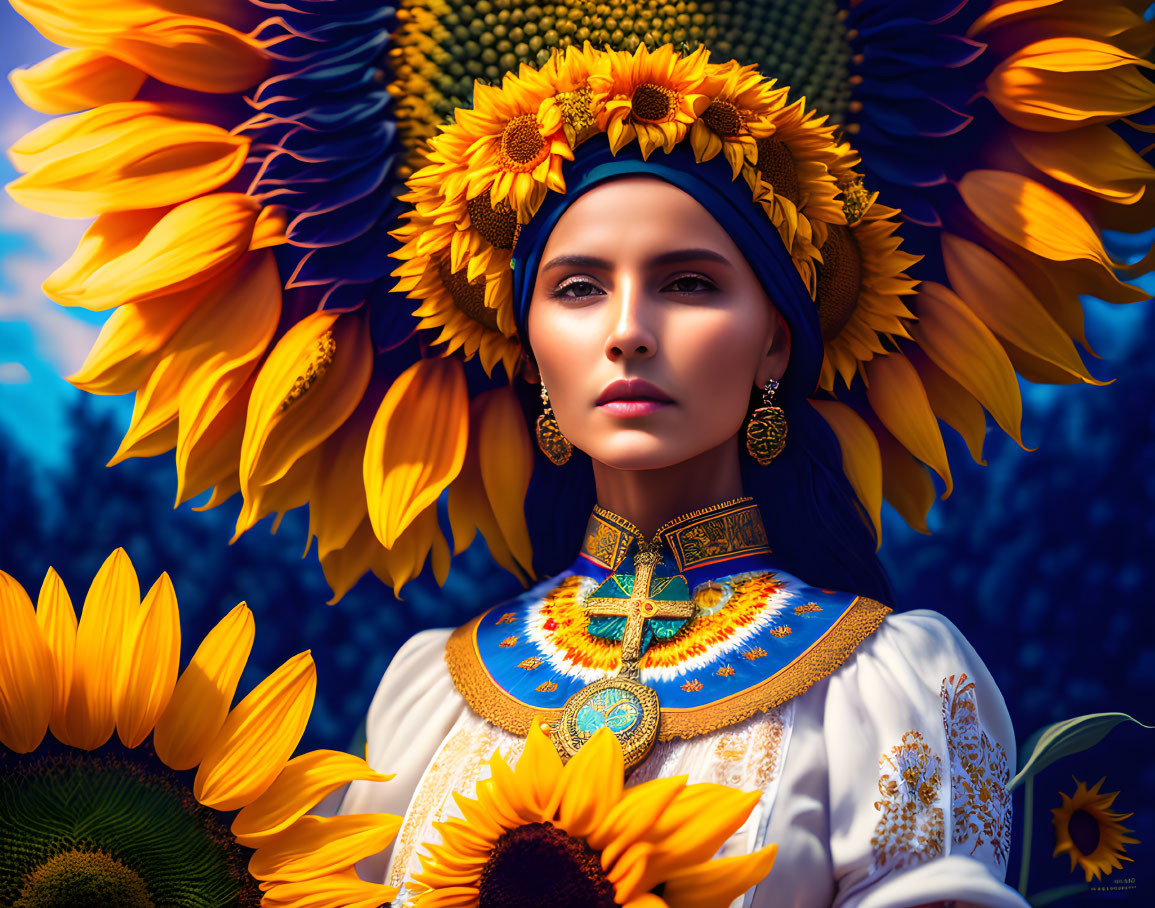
(774, 363)
(529, 370)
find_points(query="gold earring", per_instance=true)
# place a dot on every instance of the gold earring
(553, 444)
(766, 431)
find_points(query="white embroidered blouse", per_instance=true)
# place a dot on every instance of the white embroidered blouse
(884, 783)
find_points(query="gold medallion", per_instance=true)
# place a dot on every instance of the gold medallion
(626, 707)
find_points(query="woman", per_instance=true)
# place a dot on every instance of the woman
(656, 301)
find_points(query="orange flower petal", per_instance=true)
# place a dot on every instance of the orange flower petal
(337, 890)
(590, 782)
(316, 846)
(416, 444)
(953, 404)
(860, 458)
(200, 701)
(715, 884)
(258, 737)
(111, 603)
(76, 80)
(506, 461)
(148, 665)
(57, 620)
(27, 676)
(906, 483)
(303, 782)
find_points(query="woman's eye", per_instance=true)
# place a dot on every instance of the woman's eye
(576, 290)
(691, 283)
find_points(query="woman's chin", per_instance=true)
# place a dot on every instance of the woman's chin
(641, 451)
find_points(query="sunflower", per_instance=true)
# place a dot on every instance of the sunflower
(1088, 832)
(145, 819)
(572, 835)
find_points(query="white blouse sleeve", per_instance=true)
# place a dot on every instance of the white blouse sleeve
(920, 750)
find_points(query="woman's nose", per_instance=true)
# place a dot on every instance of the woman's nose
(632, 333)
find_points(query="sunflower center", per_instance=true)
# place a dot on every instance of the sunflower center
(318, 363)
(1084, 831)
(468, 296)
(498, 226)
(777, 167)
(522, 143)
(839, 277)
(723, 117)
(113, 827)
(538, 864)
(653, 103)
(83, 879)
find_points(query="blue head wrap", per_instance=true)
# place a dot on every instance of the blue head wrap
(728, 200)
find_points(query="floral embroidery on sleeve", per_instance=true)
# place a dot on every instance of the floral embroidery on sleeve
(910, 829)
(979, 773)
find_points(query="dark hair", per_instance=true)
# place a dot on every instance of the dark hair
(813, 519)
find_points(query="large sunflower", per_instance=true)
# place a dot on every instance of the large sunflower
(547, 834)
(1089, 833)
(145, 820)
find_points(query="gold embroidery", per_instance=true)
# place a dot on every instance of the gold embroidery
(692, 686)
(755, 653)
(566, 625)
(910, 829)
(781, 631)
(507, 618)
(604, 542)
(729, 534)
(808, 607)
(761, 744)
(725, 671)
(547, 687)
(530, 664)
(509, 641)
(979, 772)
(860, 619)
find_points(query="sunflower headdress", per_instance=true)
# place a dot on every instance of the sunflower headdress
(244, 165)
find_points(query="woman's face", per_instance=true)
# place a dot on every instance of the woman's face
(648, 326)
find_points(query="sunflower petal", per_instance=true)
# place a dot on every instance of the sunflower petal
(335, 890)
(258, 737)
(506, 461)
(200, 701)
(718, 882)
(108, 159)
(953, 404)
(906, 483)
(303, 782)
(148, 665)
(316, 846)
(538, 770)
(111, 603)
(416, 444)
(27, 676)
(860, 458)
(75, 80)
(898, 398)
(590, 782)
(57, 620)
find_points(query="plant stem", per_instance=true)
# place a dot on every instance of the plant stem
(1028, 828)
(1058, 892)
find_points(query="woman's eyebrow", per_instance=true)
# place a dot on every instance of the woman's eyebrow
(664, 258)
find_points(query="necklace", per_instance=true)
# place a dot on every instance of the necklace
(623, 704)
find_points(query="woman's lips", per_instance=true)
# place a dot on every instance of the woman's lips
(632, 397)
(640, 406)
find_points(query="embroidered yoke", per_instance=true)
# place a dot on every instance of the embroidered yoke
(880, 742)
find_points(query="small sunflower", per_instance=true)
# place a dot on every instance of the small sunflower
(145, 820)
(1089, 833)
(544, 834)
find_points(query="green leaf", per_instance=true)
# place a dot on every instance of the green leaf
(1061, 739)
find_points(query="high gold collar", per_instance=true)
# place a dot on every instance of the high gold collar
(706, 536)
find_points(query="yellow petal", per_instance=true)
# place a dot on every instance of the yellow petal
(344, 566)
(314, 846)
(338, 508)
(303, 782)
(292, 490)
(258, 737)
(110, 158)
(538, 769)
(27, 676)
(209, 444)
(906, 483)
(629, 871)
(404, 560)
(715, 884)
(57, 620)
(966, 350)
(590, 784)
(996, 295)
(76, 80)
(416, 444)
(899, 399)
(112, 601)
(338, 890)
(953, 404)
(148, 664)
(633, 816)
(187, 245)
(201, 699)
(506, 462)
(1095, 159)
(308, 386)
(861, 461)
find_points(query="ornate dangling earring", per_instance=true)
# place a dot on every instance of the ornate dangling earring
(766, 431)
(553, 444)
